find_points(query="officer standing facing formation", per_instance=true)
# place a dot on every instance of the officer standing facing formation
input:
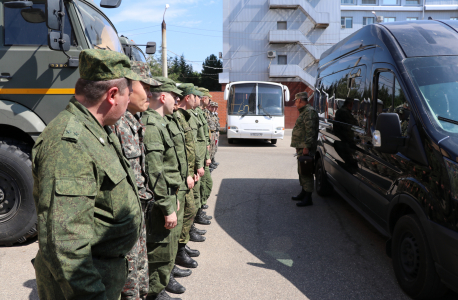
(304, 139)
(89, 213)
(215, 135)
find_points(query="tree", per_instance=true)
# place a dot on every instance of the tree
(211, 67)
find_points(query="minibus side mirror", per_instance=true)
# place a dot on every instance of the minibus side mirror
(287, 95)
(150, 47)
(110, 3)
(387, 137)
(226, 92)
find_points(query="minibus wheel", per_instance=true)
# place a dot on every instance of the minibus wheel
(17, 208)
(322, 185)
(230, 141)
(412, 261)
(273, 141)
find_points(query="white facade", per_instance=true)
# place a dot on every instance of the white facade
(299, 31)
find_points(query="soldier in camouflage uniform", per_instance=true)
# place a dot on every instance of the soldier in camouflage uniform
(89, 213)
(215, 107)
(130, 132)
(214, 128)
(163, 169)
(304, 139)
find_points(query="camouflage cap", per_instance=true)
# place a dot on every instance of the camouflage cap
(204, 91)
(142, 70)
(186, 89)
(302, 95)
(214, 104)
(167, 85)
(101, 65)
(197, 92)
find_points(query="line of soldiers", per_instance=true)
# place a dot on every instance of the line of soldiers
(121, 177)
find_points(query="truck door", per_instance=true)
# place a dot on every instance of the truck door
(32, 74)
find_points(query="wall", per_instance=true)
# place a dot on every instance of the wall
(218, 97)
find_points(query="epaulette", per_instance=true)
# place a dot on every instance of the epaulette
(151, 120)
(73, 130)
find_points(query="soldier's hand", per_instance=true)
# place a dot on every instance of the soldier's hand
(178, 205)
(170, 220)
(208, 162)
(208, 147)
(305, 151)
(196, 177)
(190, 182)
(200, 172)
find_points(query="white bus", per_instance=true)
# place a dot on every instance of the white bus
(255, 110)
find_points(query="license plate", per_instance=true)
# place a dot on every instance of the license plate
(256, 134)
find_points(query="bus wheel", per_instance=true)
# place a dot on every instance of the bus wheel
(412, 261)
(273, 141)
(230, 141)
(17, 208)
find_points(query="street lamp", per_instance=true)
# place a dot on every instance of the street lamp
(164, 45)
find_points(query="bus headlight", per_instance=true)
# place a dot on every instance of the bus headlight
(279, 128)
(232, 127)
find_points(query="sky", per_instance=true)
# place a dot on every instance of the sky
(194, 27)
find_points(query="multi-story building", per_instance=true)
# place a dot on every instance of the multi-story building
(282, 40)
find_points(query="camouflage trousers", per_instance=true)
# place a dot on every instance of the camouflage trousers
(307, 182)
(205, 186)
(196, 192)
(213, 140)
(136, 286)
(190, 211)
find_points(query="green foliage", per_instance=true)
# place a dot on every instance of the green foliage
(210, 69)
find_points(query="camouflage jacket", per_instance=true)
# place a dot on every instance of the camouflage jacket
(217, 122)
(160, 157)
(212, 122)
(86, 200)
(203, 119)
(130, 132)
(305, 131)
(201, 146)
(177, 134)
(190, 132)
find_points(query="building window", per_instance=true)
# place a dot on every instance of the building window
(453, 18)
(386, 20)
(412, 19)
(369, 2)
(281, 25)
(347, 1)
(390, 2)
(368, 20)
(346, 22)
(282, 60)
(412, 2)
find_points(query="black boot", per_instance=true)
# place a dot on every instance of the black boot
(177, 272)
(204, 214)
(174, 286)
(194, 237)
(307, 201)
(197, 230)
(200, 218)
(205, 206)
(183, 258)
(301, 196)
(161, 296)
(191, 252)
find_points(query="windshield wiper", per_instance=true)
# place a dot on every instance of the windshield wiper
(244, 114)
(259, 106)
(447, 120)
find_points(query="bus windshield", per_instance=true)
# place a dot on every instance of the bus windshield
(256, 99)
(98, 30)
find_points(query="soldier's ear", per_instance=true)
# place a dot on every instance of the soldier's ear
(111, 94)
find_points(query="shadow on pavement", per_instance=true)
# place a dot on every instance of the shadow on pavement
(327, 251)
(32, 284)
(244, 142)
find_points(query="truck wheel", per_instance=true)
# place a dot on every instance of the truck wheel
(322, 185)
(412, 260)
(273, 141)
(17, 208)
(230, 141)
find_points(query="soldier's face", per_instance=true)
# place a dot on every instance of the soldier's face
(197, 103)
(206, 100)
(119, 106)
(139, 97)
(169, 103)
(299, 103)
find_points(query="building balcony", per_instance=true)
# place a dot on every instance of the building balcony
(292, 71)
(294, 37)
(321, 19)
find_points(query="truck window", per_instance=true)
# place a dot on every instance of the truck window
(391, 98)
(20, 32)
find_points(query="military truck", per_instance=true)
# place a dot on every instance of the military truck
(39, 48)
(133, 51)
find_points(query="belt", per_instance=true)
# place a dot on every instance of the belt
(173, 191)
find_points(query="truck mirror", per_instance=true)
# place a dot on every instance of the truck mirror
(287, 95)
(55, 42)
(33, 15)
(110, 3)
(388, 137)
(18, 4)
(150, 47)
(53, 14)
(226, 92)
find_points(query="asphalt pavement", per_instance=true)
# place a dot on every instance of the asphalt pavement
(260, 245)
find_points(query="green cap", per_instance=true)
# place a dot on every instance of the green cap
(101, 65)
(167, 85)
(142, 70)
(186, 89)
(197, 92)
(204, 91)
(302, 95)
